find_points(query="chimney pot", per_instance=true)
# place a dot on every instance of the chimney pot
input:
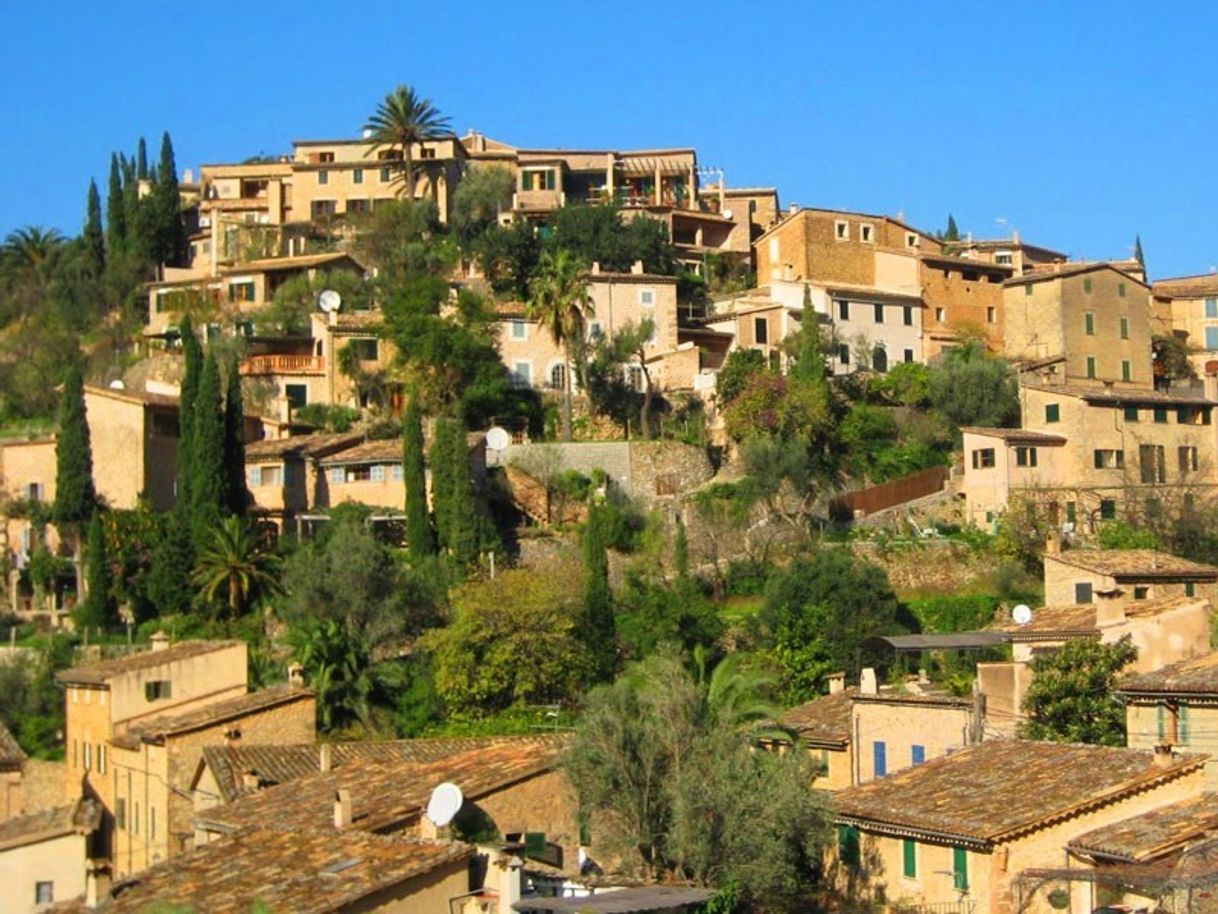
(97, 885)
(1163, 756)
(867, 682)
(249, 780)
(596, 267)
(325, 760)
(837, 683)
(295, 674)
(637, 268)
(160, 641)
(342, 809)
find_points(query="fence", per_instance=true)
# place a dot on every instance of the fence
(945, 907)
(888, 494)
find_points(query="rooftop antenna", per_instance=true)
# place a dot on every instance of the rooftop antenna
(445, 803)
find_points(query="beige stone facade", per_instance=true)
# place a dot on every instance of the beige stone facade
(1187, 307)
(896, 730)
(1012, 252)
(43, 857)
(963, 299)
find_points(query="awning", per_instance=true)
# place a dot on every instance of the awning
(952, 641)
(621, 901)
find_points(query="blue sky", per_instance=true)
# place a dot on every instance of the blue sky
(1079, 124)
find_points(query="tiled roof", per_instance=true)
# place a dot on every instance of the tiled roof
(80, 817)
(1153, 834)
(274, 765)
(304, 871)
(1072, 619)
(387, 450)
(299, 445)
(824, 720)
(1061, 271)
(1135, 563)
(1187, 286)
(1015, 434)
(99, 673)
(385, 793)
(1123, 395)
(11, 755)
(998, 790)
(158, 728)
(1196, 676)
(287, 263)
(143, 397)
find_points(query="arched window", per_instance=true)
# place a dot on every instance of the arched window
(558, 377)
(879, 359)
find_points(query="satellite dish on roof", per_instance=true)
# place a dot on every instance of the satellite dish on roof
(329, 301)
(1022, 614)
(445, 802)
(727, 214)
(497, 438)
(117, 384)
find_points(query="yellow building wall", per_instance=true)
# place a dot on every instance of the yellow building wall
(60, 861)
(900, 726)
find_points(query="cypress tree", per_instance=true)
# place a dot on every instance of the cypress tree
(457, 522)
(116, 214)
(99, 610)
(952, 233)
(597, 625)
(418, 522)
(75, 497)
(192, 356)
(141, 160)
(207, 471)
(1137, 252)
(93, 236)
(167, 584)
(135, 211)
(235, 493)
(680, 550)
(810, 355)
(171, 242)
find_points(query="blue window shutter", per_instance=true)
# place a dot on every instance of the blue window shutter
(336, 474)
(918, 754)
(1211, 337)
(880, 758)
(378, 472)
(255, 476)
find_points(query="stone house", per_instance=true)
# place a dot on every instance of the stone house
(963, 828)
(44, 856)
(12, 763)
(823, 726)
(1187, 306)
(962, 297)
(1011, 252)
(1091, 575)
(1175, 705)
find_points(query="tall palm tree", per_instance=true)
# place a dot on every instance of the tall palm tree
(559, 301)
(237, 562)
(402, 119)
(31, 247)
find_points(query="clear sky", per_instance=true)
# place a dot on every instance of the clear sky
(1079, 124)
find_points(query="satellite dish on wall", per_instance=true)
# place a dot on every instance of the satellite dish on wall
(445, 803)
(497, 438)
(1021, 614)
(329, 301)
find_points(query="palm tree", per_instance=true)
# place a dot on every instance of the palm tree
(737, 697)
(559, 301)
(402, 119)
(339, 670)
(237, 562)
(31, 247)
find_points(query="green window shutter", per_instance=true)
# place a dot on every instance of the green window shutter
(1131, 414)
(910, 850)
(550, 179)
(848, 845)
(1124, 328)
(1182, 725)
(1089, 323)
(1027, 290)
(534, 844)
(960, 869)
(1053, 412)
(1091, 366)
(1162, 721)
(1071, 512)
(1126, 370)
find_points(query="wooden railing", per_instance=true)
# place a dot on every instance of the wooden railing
(283, 364)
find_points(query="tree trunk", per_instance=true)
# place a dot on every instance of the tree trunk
(566, 411)
(78, 563)
(645, 411)
(408, 165)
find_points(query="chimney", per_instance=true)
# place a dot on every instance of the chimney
(188, 176)
(296, 675)
(508, 879)
(249, 780)
(1053, 543)
(793, 208)
(1163, 756)
(636, 268)
(325, 762)
(97, 884)
(923, 678)
(342, 809)
(596, 268)
(1014, 236)
(160, 641)
(867, 682)
(428, 830)
(837, 683)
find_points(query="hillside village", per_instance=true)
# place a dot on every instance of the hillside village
(414, 522)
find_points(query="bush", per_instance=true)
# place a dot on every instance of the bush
(747, 577)
(956, 613)
(330, 417)
(622, 522)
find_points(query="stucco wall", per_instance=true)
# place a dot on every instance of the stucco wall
(60, 861)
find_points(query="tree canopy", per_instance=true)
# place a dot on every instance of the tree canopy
(1070, 698)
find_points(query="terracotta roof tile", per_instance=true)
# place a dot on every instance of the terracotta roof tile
(1200, 286)
(304, 261)
(1015, 435)
(158, 728)
(996, 790)
(1153, 834)
(1123, 396)
(824, 720)
(1195, 676)
(387, 450)
(99, 673)
(1136, 563)
(80, 817)
(299, 445)
(1073, 619)
(11, 754)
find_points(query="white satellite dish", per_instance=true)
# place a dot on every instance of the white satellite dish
(497, 438)
(445, 803)
(727, 214)
(329, 301)
(117, 384)
(1022, 614)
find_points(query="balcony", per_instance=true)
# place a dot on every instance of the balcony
(257, 365)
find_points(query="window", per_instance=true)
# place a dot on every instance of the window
(427, 153)
(1182, 733)
(151, 823)
(940, 314)
(398, 473)
(843, 353)
(1141, 593)
(969, 276)
(88, 753)
(157, 689)
(297, 395)
(1187, 455)
(1087, 284)
(1131, 414)
(1053, 412)
(960, 869)
(558, 377)
(1160, 414)
(120, 813)
(911, 240)
(1211, 307)
(1091, 366)
(879, 359)
(908, 355)
(909, 851)
(595, 332)
(241, 291)
(357, 176)
(1121, 290)
(991, 315)
(917, 754)
(761, 330)
(1109, 459)
(356, 473)
(366, 350)
(325, 157)
(1107, 509)
(983, 458)
(1190, 589)
(520, 330)
(907, 316)
(1025, 456)
(1151, 464)
(266, 476)
(879, 314)
(359, 206)
(378, 473)
(647, 297)
(44, 893)
(1211, 337)
(522, 374)
(1089, 323)
(848, 845)
(1126, 370)
(879, 752)
(1002, 258)
(135, 817)
(843, 312)
(865, 232)
(841, 230)
(1071, 512)
(538, 179)
(320, 209)
(1124, 328)
(33, 491)
(323, 177)
(386, 174)
(337, 475)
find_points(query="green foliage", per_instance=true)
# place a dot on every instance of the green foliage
(1070, 698)
(338, 668)
(33, 706)
(93, 237)
(236, 565)
(401, 121)
(208, 475)
(419, 536)
(1171, 355)
(402, 240)
(236, 498)
(599, 234)
(652, 613)
(479, 199)
(904, 384)
(514, 640)
(192, 359)
(461, 530)
(116, 217)
(560, 303)
(773, 405)
(295, 301)
(166, 586)
(75, 497)
(607, 383)
(1118, 534)
(98, 610)
(596, 624)
(329, 417)
(954, 613)
(1022, 531)
(131, 539)
(971, 387)
(820, 613)
(509, 257)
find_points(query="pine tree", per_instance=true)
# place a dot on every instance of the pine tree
(93, 237)
(597, 625)
(141, 160)
(236, 496)
(1137, 252)
(99, 609)
(116, 214)
(418, 522)
(207, 472)
(192, 354)
(952, 233)
(75, 497)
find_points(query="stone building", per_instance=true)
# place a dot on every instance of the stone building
(1175, 705)
(44, 856)
(1187, 306)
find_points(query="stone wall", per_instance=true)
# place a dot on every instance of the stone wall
(647, 470)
